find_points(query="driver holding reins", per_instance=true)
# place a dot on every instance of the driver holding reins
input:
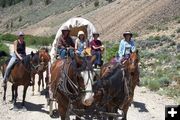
(65, 44)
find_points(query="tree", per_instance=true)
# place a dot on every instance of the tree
(3, 3)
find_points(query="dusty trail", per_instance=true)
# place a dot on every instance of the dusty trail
(147, 105)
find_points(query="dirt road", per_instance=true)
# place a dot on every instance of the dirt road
(147, 105)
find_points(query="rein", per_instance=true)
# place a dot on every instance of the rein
(76, 89)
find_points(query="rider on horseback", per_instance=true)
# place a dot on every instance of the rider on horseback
(65, 44)
(80, 44)
(19, 53)
(126, 46)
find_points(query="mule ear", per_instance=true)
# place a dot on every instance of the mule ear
(93, 58)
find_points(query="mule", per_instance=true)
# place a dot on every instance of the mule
(131, 67)
(71, 84)
(44, 59)
(112, 88)
(21, 75)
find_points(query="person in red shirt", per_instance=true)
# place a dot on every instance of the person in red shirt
(97, 48)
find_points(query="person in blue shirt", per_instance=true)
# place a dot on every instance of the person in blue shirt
(126, 46)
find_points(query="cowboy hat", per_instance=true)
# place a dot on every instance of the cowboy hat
(80, 33)
(127, 33)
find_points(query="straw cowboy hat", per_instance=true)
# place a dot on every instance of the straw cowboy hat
(81, 33)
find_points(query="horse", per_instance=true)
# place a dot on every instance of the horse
(71, 84)
(45, 59)
(133, 70)
(132, 73)
(21, 75)
(112, 88)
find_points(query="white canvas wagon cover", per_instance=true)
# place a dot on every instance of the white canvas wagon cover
(75, 24)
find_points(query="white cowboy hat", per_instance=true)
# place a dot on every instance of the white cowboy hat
(80, 33)
(20, 34)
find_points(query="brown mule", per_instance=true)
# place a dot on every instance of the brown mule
(71, 84)
(21, 75)
(45, 59)
(131, 68)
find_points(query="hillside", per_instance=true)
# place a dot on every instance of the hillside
(111, 19)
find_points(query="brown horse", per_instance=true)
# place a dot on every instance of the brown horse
(130, 67)
(71, 84)
(45, 59)
(21, 75)
(133, 70)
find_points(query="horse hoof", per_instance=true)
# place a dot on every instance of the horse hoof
(11, 101)
(24, 109)
(14, 108)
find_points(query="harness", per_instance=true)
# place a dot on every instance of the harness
(65, 81)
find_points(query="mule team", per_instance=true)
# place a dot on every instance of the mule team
(73, 82)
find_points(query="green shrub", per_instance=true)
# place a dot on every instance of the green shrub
(20, 18)
(96, 3)
(30, 40)
(178, 56)
(30, 2)
(109, 1)
(9, 37)
(111, 50)
(154, 85)
(135, 34)
(164, 81)
(178, 30)
(47, 2)
(173, 35)
(144, 82)
(146, 54)
(172, 92)
(151, 27)
(177, 18)
(178, 99)
(4, 47)
(154, 38)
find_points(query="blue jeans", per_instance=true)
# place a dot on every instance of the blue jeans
(9, 67)
(63, 53)
(98, 57)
